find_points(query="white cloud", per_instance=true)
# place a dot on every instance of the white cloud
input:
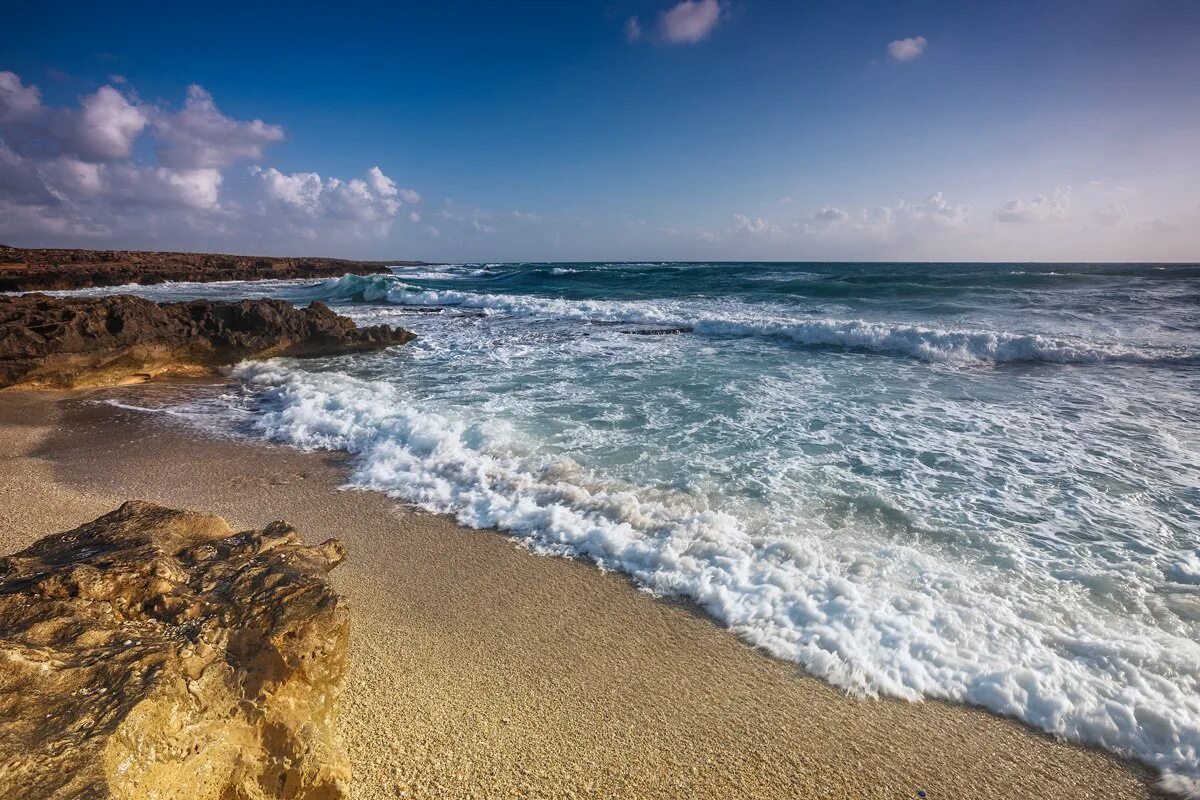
(300, 191)
(74, 181)
(103, 128)
(200, 136)
(76, 172)
(690, 21)
(907, 49)
(753, 227)
(194, 189)
(70, 177)
(633, 29)
(937, 210)
(361, 200)
(106, 126)
(374, 198)
(931, 218)
(1039, 208)
(17, 101)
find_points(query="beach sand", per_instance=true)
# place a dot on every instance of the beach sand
(482, 670)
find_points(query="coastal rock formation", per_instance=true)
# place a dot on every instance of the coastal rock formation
(155, 653)
(27, 270)
(49, 342)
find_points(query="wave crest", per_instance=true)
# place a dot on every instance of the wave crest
(929, 344)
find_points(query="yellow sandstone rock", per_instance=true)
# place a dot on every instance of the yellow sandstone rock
(156, 654)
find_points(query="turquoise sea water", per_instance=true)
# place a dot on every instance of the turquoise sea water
(974, 482)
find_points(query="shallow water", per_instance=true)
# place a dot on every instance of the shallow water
(974, 482)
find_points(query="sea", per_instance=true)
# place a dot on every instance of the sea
(974, 482)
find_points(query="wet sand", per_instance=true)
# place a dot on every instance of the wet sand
(482, 670)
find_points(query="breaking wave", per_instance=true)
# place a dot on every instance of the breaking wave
(914, 341)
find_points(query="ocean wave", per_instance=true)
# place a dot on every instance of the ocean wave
(915, 341)
(872, 616)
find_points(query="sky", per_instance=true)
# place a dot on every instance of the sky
(593, 131)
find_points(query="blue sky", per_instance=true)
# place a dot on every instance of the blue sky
(722, 130)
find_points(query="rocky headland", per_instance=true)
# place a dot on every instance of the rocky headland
(167, 656)
(30, 269)
(75, 342)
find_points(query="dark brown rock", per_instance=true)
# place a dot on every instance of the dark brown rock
(50, 342)
(29, 269)
(155, 653)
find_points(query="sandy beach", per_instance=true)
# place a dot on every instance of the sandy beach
(481, 670)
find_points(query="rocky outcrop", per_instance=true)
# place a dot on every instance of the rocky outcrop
(49, 342)
(27, 269)
(157, 654)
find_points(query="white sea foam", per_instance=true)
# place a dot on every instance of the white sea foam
(871, 614)
(916, 341)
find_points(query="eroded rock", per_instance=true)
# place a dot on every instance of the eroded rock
(157, 654)
(64, 342)
(31, 269)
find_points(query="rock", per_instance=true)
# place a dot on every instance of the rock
(155, 653)
(52, 342)
(27, 269)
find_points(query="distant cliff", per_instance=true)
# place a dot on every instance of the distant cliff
(155, 653)
(51, 342)
(27, 269)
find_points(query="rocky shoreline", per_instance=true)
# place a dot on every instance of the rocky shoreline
(73, 342)
(168, 656)
(29, 269)
(164, 654)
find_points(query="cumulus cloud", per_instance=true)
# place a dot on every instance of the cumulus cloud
(70, 177)
(199, 136)
(753, 227)
(907, 49)
(17, 101)
(103, 128)
(195, 189)
(937, 210)
(1039, 208)
(927, 218)
(690, 21)
(75, 171)
(106, 125)
(372, 198)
